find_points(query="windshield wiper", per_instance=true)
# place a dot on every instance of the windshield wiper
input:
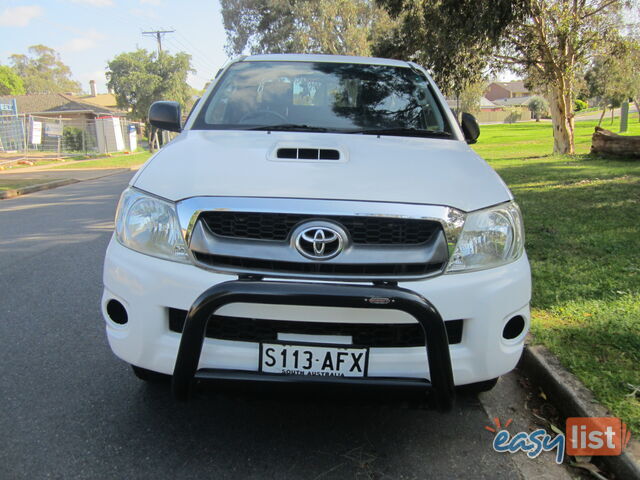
(404, 131)
(290, 127)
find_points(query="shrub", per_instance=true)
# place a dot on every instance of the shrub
(72, 139)
(539, 107)
(580, 105)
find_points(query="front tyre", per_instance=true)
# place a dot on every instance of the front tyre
(149, 375)
(479, 387)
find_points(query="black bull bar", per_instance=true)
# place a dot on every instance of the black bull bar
(389, 297)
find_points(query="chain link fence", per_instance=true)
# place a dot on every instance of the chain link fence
(27, 137)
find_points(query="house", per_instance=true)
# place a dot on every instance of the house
(99, 99)
(493, 112)
(514, 101)
(107, 100)
(63, 122)
(501, 90)
(484, 104)
(56, 105)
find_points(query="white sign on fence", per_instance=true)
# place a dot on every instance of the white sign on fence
(133, 139)
(109, 135)
(36, 133)
(53, 129)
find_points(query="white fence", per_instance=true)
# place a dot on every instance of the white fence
(26, 136)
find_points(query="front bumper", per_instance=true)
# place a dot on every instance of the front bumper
(147, 286)
(318, 295)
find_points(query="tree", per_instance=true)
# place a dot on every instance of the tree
(453, 39)
(341, 27)
(547, 41)
(470, 96)
(553, 44)
(336, 27)
(538, 107)
(140, 78)
(615, 78)
(42, 71)
(10, 82)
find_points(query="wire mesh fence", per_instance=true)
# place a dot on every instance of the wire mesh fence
(36, 137)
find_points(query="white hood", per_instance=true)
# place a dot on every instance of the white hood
(387, 169)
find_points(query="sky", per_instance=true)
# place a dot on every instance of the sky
(89, 33)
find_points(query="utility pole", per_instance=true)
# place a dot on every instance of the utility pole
(158, 34)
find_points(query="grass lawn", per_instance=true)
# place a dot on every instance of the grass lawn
(37, 163)
(119, 161)
(582, 218)
(13, 184)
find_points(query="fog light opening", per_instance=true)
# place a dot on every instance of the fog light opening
(117, 313)
(513, 328)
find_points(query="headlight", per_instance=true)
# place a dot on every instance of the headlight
(150, 225)
(489, 238)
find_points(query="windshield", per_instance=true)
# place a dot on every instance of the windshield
(331, 97)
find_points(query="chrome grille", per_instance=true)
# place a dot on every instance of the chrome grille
(258, 236)
(362, 230)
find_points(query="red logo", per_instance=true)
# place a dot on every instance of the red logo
(596, 436)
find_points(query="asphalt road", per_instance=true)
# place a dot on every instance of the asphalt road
(71, 409)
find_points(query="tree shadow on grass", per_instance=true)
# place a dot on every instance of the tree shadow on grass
(582, 235)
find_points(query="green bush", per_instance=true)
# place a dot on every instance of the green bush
(72, 139)
(580, 105)
(538, 107)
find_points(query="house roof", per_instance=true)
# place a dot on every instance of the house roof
(56, 102)
(486, 103)
(102, 99)
(515, 101)
(514, 86)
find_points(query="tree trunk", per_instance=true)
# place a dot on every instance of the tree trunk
(609, 143)
(613, 110)
(562, 121)
(637, 104)
(604, 110)
(153, 139)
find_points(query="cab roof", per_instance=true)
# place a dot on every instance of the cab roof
(304, 57)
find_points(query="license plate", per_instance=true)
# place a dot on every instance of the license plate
(287, 359)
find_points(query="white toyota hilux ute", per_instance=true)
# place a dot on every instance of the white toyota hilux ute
(319, 219)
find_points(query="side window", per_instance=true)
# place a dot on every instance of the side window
(433, 120)
(193, 107)
(215, 112)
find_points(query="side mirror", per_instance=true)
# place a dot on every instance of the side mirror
(470, 128)
(165, 115)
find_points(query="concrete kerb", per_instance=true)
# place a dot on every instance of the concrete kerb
(36, 188)
(59, 183)
(573, 399)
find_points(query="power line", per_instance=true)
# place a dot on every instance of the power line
(196, 48)
(158, 34)
(197, 61)
(194, 54)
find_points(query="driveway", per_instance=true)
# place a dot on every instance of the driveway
(71, 409)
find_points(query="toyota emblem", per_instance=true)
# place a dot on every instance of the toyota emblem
(319, 242)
